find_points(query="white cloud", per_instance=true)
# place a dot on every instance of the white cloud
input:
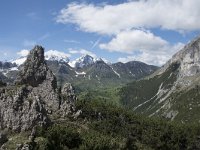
(82, 52)
(56, 53)
(130, 24)
(153, 49)
(157, 58)
(134, 40)
(178, 15)
(23, 53)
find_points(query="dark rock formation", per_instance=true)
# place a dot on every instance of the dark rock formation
(35, 70)
(3, 138)
(35, 98)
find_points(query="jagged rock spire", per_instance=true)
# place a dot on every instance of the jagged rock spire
(35, 69)
(37, 100)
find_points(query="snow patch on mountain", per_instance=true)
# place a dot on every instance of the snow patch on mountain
(51, 55)
(54, 55)
(86, 60)
(19, 61)
(80, 73)
(72, 63)
(83, 61)
(116, 72)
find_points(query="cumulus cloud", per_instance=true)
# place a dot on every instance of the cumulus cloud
(23, 53)
(157, 58)
(129, 25)
(152, 49)
(178, 15)
(82, 52)
(133, 40)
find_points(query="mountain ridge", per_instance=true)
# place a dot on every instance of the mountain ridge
(172, 91)
(89, 71)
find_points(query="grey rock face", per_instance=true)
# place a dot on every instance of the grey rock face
(35, 69)
(188, 58)
(173, 91)
(68, 90)
(35, 97)
(67, 100)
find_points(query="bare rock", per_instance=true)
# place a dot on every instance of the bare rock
(35, 70)
(68, 99)
(35, 98)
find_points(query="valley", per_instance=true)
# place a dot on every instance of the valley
(162, 105)
(100, 75)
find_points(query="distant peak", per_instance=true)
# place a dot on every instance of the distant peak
(86, 56)
(54, 55)
(83, 61)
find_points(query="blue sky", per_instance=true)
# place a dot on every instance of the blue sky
(115, 30)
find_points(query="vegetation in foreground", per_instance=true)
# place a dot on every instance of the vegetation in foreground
(105, 126)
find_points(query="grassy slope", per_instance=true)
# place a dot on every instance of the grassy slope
(187, 103)
(105, 126)
(141, 91)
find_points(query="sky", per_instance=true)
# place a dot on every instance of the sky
(150, 31)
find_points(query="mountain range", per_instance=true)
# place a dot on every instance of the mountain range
(37, 113)
(85, 72)
(173, 91)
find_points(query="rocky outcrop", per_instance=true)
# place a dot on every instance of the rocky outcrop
(35, 70)
(20, 110)
(35, 98)
(188, 58)
(68, 99)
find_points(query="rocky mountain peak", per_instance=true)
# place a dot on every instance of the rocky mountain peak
(7, 65)
(54, 55)
(173, 91)
(35, 69)
(188, 58)
(83, 61)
